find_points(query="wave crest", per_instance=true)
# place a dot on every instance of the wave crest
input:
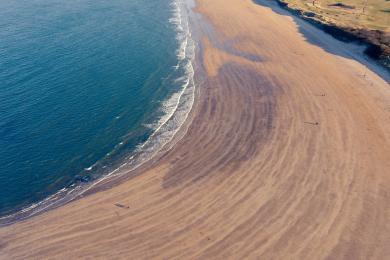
(174, 110)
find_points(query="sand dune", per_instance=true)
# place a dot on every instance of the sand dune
(286, 156)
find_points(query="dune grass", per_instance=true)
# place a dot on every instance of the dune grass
(368, 14)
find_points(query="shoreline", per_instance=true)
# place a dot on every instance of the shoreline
(199, 74)
(268, 163)
(129, 165)
(107, 181)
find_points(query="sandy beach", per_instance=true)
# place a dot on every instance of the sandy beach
(286, 156)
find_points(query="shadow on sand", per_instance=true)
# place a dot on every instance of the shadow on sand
(331, 39)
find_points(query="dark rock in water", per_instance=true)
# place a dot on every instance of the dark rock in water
(83, 179)
(373, 51)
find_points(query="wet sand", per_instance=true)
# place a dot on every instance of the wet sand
(286, 156)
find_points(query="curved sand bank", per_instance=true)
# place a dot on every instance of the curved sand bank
(287, 157)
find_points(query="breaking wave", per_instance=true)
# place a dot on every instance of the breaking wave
(173, 113)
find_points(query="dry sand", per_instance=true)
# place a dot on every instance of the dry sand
(287, 157)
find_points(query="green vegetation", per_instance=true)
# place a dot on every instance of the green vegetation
(358, 14)
(367, 20)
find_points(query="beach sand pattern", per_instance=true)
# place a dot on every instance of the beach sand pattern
(283, 157)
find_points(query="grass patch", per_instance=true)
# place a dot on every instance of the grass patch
(367, 14)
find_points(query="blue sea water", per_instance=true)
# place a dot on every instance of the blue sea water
(83, 85)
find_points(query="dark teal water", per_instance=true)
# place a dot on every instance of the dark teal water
(80, 83)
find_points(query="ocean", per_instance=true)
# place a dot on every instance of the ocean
(88, 89)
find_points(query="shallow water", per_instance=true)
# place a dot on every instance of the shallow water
(83, 84)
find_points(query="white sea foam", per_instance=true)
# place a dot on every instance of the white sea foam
(175, 112)
(176, 108)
